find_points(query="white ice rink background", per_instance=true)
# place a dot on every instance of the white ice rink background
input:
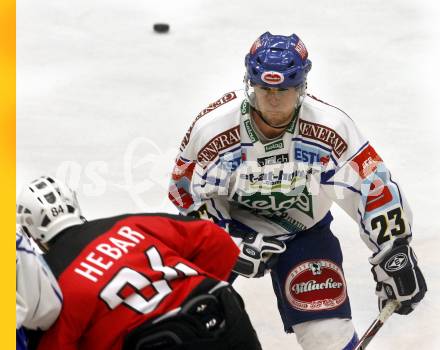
(104, 102)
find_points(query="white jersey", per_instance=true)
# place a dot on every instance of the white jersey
(38, 296)
(286, 185)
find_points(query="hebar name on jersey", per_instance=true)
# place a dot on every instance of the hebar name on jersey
(102, 259)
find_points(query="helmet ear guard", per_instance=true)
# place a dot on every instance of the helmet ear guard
(47, 206)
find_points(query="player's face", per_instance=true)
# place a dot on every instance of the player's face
(276, 105)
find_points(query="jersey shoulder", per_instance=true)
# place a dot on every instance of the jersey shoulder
(219, 120)
(329, 125)
(317, 110)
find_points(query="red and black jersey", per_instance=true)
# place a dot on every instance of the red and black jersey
(117, 273)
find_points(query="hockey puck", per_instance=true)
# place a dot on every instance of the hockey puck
(161, 27)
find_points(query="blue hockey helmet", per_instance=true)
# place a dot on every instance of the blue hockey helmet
(277, 61)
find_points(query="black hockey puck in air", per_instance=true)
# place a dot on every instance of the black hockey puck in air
(161, 27)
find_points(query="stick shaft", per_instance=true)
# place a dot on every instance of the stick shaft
(386, 312)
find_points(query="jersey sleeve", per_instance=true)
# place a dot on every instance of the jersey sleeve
(79, 307)
(208, 153)
(196, 191)
(362, 185)
(38, 296)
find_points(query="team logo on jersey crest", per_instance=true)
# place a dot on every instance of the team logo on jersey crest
(315, 285)
(272, 77)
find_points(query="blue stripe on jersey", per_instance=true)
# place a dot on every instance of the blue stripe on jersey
(311, 143)
(358, 151)
(215, 208)
(325, 176)
(341, 184)
(353, 342)
(19, 248)
(185, 160)
(57, 293)
(317, 145)
(219, 159)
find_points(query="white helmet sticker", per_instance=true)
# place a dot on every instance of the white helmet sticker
(272, 77)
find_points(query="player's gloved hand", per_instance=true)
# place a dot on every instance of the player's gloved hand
(398, 277)
(258, 254)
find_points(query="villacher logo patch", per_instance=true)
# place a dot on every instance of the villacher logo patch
(315, 285)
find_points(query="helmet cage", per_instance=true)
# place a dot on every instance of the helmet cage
(46, 207)
(251, 96)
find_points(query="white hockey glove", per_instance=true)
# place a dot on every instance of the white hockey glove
(398, 277)
(258, 254)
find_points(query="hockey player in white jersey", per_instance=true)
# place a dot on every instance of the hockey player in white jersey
(266, 163)
(38, 296)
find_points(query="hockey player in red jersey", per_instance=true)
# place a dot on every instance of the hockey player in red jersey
(145, 281)
(266, 163)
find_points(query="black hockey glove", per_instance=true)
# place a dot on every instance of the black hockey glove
(398, 277)
(258, 254)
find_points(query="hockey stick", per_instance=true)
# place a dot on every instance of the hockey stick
(386, 312)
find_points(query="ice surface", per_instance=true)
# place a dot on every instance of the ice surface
(105, 101)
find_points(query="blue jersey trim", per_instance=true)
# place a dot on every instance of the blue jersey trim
(317, 145)
(208, 169)
(215, 208)
(341, 184)
(185, 160)
(353, 342)
(311, 143)
(59, 296)
(358, 151)
(19, 248)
